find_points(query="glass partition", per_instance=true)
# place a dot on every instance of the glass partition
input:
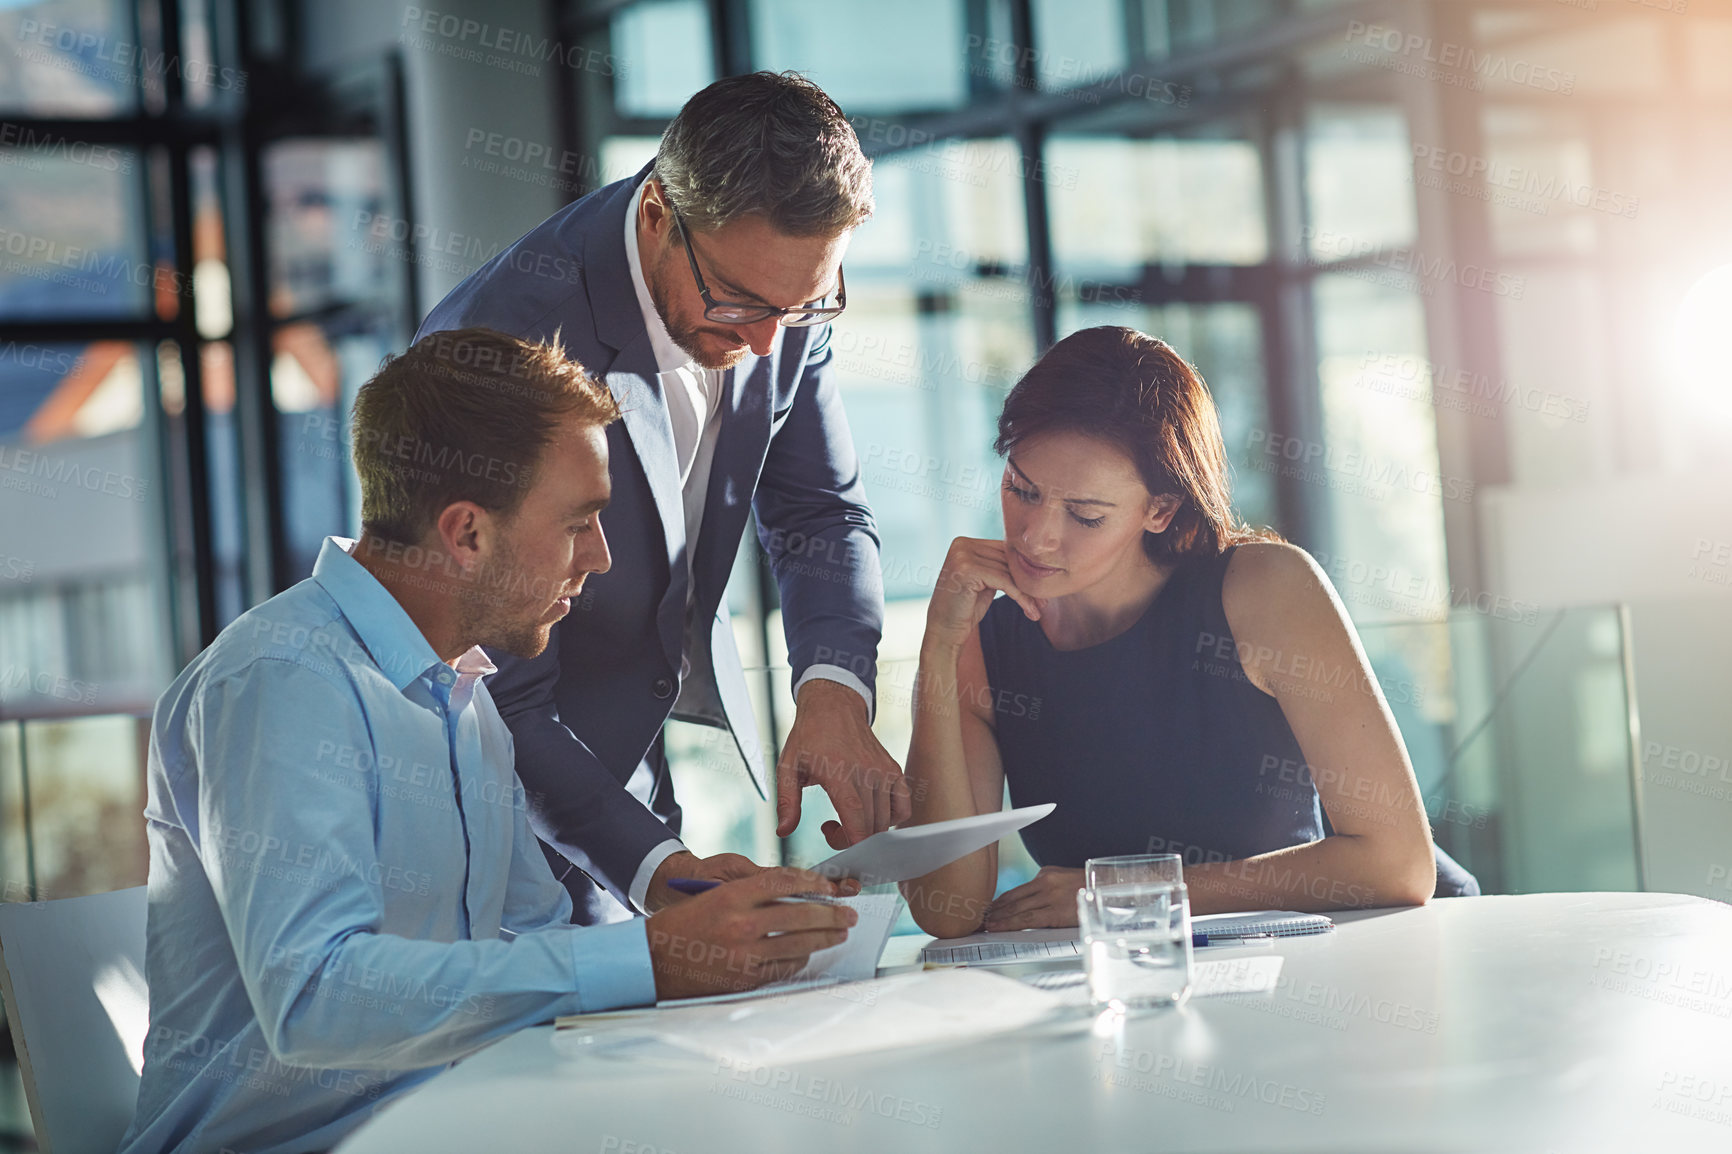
(1519, 724)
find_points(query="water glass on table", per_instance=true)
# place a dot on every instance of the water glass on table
(1136, 943)
(1133, 867)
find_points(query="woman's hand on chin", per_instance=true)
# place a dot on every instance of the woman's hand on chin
(1048, 900)
(974, 571)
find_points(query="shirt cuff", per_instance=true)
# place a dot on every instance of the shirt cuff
(835, 673)
(647, 869)
(613, 966)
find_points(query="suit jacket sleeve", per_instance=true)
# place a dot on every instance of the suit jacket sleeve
(575, 804)
(818, 531)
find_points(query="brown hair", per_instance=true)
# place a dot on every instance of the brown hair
(463, 415)
(1133, 391)
(765, 142)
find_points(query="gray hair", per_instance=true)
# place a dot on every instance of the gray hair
(770, 143)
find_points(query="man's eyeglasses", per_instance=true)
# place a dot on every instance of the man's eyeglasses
(737, 313)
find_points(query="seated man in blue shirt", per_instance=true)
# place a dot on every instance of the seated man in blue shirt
(345, 894)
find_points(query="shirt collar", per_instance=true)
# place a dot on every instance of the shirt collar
(669, 356)
(396, 643)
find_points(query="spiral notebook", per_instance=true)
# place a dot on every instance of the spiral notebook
(1255, 923)
(1003, 949)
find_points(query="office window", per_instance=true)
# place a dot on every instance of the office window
(73, 240)
(1198, 23)
(1078, 42)
(67, 58)
(80, 569)
(84, 648)
(662, 53)
(81, 829)
(940, 336)
(336, 289)
(325, 199)
(1119, 205)
(888, 56)
(1358, 180)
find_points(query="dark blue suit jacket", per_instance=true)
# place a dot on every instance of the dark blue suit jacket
(585, 712)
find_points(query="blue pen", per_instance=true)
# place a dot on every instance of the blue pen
(1201, 939)
(704, 885)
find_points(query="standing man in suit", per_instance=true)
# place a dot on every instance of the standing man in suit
(701, 290)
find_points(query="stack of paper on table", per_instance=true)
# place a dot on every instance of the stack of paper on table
(891, 1013)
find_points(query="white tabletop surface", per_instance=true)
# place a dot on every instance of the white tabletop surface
(1544, 1024)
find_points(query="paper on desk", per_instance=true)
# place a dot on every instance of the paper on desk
(905, 1010)
(1256, 975)
(1004, 947)
(1253, 975)
(855, 960)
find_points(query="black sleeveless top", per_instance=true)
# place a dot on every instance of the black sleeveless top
(1153, 741)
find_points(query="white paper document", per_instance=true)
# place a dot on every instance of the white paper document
(899, 855)
(890, 1013)
(855, 960)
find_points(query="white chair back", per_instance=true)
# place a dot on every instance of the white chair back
(72, 974)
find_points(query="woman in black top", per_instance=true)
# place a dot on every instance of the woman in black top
(1174, 681)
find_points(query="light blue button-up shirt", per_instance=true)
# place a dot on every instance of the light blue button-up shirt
(345, 894)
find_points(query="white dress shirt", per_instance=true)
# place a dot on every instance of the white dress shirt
(693, 395)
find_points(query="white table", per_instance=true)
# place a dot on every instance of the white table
(1541, 1023)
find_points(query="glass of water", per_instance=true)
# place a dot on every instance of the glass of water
(1133, 867)
(1136, 943)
